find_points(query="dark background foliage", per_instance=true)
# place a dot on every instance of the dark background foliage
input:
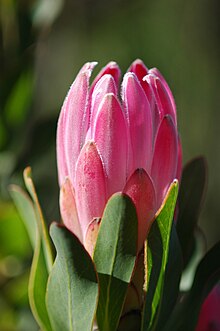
(43, 44)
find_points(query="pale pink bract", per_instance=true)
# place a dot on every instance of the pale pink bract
(112, 139)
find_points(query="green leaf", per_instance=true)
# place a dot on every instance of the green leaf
(114, 257)
(46, 242)
(39, 273)
(14, 241)
(191, 196)
(72, 290)
(158, 242)
(37, 286)
(189, 272)
(207, 275)
(172, 279)
(25, 208)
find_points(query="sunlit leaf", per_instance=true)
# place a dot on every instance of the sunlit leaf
(13, 237)
(39, 273)
(26, 210)
(114, 257)
(72, 291)
(171, 281)
(37, 286)
(158, 242)
(48, 253)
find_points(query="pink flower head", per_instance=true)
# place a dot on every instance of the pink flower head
(209, 316)
(112, 139)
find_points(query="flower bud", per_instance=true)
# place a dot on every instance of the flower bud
(111, 140)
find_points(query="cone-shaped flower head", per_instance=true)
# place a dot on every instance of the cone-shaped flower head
(116, 139)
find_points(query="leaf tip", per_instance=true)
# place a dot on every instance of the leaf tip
(27, 172)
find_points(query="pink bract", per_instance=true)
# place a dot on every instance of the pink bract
(112, 139)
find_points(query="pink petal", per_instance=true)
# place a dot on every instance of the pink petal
(105, 85)
(157, 73)
(141, 71)
(110, 135)
(61, 157)
(74, 121)
(164, 164)
(111, 69)
(157, 109)
(138, 115)
(141, 190)
(149, 93)
(139, 68)
(68, 208)
(90, 185)
(163, 100)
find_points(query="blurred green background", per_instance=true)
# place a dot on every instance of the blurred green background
(43, 44)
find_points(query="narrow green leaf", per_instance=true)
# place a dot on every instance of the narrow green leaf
(37, 287)
(25, 208)
(172, 279)
(13, 235)
(46, 242)
(157, 256)
(207, 275)
(114, 257)
(39, 273)
(191, 196)
(72, 290)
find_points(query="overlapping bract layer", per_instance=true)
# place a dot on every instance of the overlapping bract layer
(112, 139)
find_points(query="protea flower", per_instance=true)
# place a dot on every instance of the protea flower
(116, 139)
